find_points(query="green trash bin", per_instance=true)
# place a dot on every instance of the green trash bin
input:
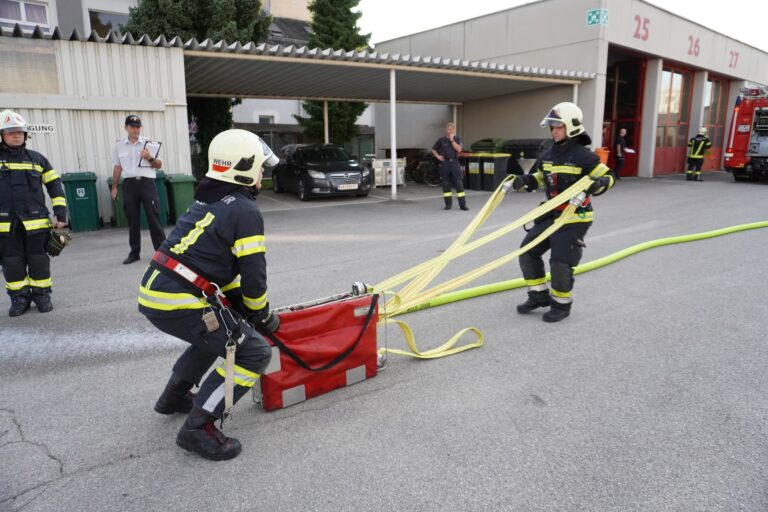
(181, 193)
(119, 218)
(82, 202)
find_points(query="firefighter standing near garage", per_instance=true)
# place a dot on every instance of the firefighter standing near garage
(567, 161)
(25, 223)
(207, 278)
(697, 147)
(446, 150)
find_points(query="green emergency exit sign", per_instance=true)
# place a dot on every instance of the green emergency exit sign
(597, 17)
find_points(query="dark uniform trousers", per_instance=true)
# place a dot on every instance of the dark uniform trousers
(450, 174)
(251, 358)
(26, 265)
(567, 244)
(139, 192)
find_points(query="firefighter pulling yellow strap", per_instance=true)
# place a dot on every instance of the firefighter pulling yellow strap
(417, 278)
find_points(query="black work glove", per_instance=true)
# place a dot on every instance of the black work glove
(265, 320)
(518, 183)
(595, 186)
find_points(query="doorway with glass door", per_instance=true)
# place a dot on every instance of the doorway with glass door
(625, 78)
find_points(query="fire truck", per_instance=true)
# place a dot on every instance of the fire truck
(747, 154)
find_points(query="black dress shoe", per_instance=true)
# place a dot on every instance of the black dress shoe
(130, 259)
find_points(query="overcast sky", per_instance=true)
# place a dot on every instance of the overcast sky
(745, 20)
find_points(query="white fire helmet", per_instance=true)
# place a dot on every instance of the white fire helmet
(566, 113)
(237, 156)
(11, 122)
(702, 131)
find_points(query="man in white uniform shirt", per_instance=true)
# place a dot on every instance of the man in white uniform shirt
(138, 186)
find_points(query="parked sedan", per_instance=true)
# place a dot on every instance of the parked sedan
(319, 170)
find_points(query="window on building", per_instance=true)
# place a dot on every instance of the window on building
(266, 119)
(23, 12)
(715, 108)
(104, 22)
(674, 108)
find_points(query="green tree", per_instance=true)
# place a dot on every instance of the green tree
(231, 20)
(334, 25)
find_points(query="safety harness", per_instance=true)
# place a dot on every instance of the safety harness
(218, 302)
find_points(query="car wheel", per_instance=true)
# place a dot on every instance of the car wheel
(276, 185)
(303, 192)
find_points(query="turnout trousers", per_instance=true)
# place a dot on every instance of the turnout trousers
(251, 358)
(26, 265)
(566, 244)
(138, 192)
(450, 174)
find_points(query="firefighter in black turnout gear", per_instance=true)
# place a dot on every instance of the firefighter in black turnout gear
(446, 150)
(567, 161)
(697, 148)
(218, 241)
(25, 223)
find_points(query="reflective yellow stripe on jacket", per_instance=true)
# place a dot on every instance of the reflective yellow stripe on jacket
(255, 304)
(58, 201)
(249, 245)
(165, 301)
(194, 234)
(50, 176)
(35, 224)
(5, 227)
(24, 166)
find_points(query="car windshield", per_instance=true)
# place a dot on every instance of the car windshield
(324, 155)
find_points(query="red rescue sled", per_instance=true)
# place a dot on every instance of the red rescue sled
(320, 347)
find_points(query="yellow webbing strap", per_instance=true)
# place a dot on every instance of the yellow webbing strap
(420, 276)
(446, 349)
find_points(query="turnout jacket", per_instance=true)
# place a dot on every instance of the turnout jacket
(223, 242)
(698, 145)
(564, 164)
(23, 173)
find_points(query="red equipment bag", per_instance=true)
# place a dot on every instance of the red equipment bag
(319, 348)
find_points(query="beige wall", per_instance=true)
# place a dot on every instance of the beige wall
(294, 9)
(516, 116)
(668, 37)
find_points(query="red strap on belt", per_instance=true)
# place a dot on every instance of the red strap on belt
(189, 275)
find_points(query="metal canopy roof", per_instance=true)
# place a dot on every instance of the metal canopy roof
(222, 69)
(289, 72)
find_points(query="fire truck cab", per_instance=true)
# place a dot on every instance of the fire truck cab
(747, 152)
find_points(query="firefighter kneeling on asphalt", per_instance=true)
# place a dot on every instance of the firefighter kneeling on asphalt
(566, 162)
(25, 224)
(210, 277)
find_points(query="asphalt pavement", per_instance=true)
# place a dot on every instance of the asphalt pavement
(650, 397)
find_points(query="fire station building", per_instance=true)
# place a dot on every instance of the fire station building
(658, 75)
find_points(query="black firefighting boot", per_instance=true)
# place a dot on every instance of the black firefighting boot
(200, 435)
(557, 312)
(19, 304)
(463, 203)
(448, 202)
(176, 397)
(536, 300)
(42, 299)
(689, 176)
(698, 177)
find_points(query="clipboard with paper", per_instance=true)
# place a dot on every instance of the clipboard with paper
(154, 149)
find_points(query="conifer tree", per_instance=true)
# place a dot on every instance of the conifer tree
(334, 25)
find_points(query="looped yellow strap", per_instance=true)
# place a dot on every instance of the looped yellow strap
(446, 349)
